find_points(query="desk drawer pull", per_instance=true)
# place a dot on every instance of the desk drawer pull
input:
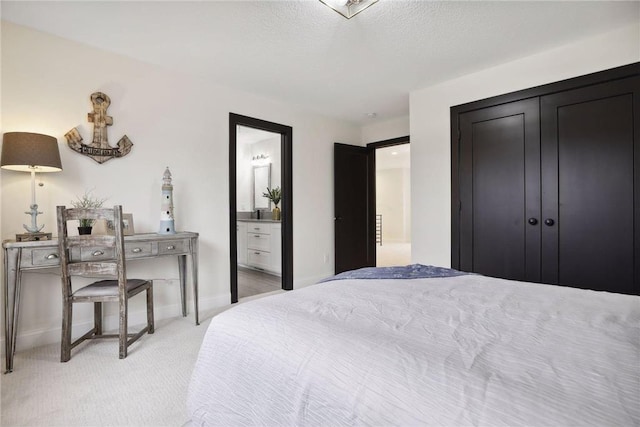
(136, 250)
(256, 235)
(98, 253)
(52, 256)
(170, 247)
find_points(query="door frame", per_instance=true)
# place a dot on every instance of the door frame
(371, 179)
(286, 142)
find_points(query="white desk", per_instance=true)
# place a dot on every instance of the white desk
(24, 256)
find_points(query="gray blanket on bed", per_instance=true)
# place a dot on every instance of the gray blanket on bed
(413, 271)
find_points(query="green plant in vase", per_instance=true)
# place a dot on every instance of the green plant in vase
(274, 194)
(87, 201)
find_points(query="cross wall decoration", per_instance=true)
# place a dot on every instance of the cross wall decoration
(99, 150)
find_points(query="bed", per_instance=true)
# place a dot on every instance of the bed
(446, 349)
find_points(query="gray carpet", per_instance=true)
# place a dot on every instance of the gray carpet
(95, 388)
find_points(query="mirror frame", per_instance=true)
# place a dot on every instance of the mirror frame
(286, 143)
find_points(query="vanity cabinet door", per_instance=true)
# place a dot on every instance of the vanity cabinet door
(258, 241)
(241, 228)
(276, 248)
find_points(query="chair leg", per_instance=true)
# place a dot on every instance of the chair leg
(150, 322)
(97, 317)
(65, 345)
(122, 332)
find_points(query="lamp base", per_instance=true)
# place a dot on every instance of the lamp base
(32, 237)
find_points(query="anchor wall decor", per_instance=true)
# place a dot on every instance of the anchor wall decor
(99, 150)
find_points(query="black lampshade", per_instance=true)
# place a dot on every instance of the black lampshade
(22, 151)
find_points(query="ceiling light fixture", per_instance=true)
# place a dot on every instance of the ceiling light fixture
(348, 8)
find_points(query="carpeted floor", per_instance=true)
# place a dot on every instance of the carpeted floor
(95, 388)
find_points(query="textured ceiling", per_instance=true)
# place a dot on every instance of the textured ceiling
(305, 54)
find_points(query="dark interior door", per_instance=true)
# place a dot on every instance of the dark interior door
(590, 237)
(352, 196)
(499, 191)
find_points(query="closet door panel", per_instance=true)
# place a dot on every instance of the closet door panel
(589, 182)
(499, 163)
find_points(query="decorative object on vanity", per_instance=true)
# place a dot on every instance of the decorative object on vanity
(274, 195)
(86, 201)
(99, 150)
(348, 8)
(167, 223)
(31, 152)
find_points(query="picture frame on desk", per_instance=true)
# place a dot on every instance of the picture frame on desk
(127, 225)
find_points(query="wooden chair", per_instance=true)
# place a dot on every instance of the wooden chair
(97, 256)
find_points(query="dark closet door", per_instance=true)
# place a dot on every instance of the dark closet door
(591, 182)
(352, 195)
(499, 191)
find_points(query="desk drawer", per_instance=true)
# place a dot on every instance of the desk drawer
(138, 250)
(173, 247)
(42, 257)
(131, 251)
(93, 254)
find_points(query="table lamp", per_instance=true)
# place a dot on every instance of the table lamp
(31, 152)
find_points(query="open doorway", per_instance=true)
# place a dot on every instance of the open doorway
(259, 231)
(261, 240)
(393, 205)
(359, 231)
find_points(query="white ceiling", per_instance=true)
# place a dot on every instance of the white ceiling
(303, 53)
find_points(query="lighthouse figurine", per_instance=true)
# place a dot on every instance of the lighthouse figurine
(166, 215)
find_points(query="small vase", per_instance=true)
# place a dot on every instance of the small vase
(84, 230)
(276, 214)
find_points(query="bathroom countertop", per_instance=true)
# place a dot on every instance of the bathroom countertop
(257, 220)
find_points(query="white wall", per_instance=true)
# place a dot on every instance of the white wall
(173, 120)
(393, 202)
(381, 130)
(430, 127)
(406, 201)
(389, 203)
(244, 177)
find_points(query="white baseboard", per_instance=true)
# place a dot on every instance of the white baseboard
(38, 337)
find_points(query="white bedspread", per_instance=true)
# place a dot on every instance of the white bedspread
(459, 351)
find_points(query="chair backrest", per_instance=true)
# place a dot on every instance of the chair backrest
(89, 255)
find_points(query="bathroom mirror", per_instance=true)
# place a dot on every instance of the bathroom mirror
(261, 180)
